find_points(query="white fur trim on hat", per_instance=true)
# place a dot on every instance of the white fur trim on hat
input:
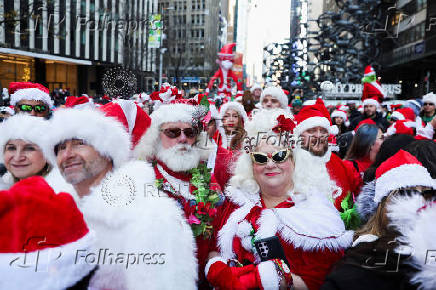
(339, 113)
(47, 269)
(105, 134)
(234, 106)
(28, 128)
(33, 94)
(430, 97)
(166, 113)
(408, 175)
(371, 102)
(276, 93)
(255, 86)
(398, 115)
(311, 123)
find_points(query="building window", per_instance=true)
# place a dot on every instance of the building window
(421, 4)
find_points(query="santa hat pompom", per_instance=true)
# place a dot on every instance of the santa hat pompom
(8, 110)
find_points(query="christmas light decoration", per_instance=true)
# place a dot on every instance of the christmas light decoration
(119, 83)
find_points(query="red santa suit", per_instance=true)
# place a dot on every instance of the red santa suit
(310, 231)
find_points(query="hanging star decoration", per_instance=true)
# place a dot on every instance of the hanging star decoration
(119, 82)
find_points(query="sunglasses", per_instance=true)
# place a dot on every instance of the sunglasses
(428, 104)
(30, 108)
(276, 157)
(176, 132)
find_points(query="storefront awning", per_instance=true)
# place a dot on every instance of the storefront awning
(45, 56)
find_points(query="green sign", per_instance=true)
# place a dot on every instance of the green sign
(154, 31)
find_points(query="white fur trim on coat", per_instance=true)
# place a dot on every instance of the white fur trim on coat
(32, 94)
(408, 175)
(319, 225)
(25, 127)
(105, 134)
(132, 216)
(47, 269)
(276, 93)
(398, 115)
(268, 275)
(211, 262)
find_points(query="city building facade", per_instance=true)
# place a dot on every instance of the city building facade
(69, 44)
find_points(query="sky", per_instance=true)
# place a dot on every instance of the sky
(268, 21)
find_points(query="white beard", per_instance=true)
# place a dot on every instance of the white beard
(311, 175)
(178, 160)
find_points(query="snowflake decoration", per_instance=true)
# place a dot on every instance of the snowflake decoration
(119, 83)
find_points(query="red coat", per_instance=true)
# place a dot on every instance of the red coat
(339, 172)
(312, 234)
(357, 174)
(222, 170)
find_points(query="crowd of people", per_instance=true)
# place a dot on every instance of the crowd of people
(256, 192)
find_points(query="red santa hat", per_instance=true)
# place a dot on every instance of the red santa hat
(29, 91)
(402, 127)
(166, 94)
(233, 106)
(133, 118)
(312, 116)
(369, 71)
(429, 98)
(42, 232)
(276, 93)
(400, 171)
(339, 113)
(83, 102)
(25, 127)
(227, 50)
(106, 134)
(404, 114)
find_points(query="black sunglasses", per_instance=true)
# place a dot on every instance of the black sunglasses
(428, 104)
(30, 108)
(277, 157)
(176, 132)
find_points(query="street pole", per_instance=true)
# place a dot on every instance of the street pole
(160, 49)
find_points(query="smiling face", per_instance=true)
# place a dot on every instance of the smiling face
(315, 140)
(79, 162)
(23, 159)
(230, 120)
(273, 175)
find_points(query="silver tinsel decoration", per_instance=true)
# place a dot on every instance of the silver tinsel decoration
(119, 83)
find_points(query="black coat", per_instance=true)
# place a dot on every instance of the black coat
(381, 122)
(365, 267)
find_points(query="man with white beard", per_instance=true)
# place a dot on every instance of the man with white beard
(143, 240)
(313, 130)
(172, 145)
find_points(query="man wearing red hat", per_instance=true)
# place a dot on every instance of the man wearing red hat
(31, 98)
(317, 162)
(121, 203)
(173, 146)
(372, 96)
(225, 72)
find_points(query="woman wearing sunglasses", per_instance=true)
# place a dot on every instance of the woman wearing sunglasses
(23, 142)
(231, 133)
(265, 202)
